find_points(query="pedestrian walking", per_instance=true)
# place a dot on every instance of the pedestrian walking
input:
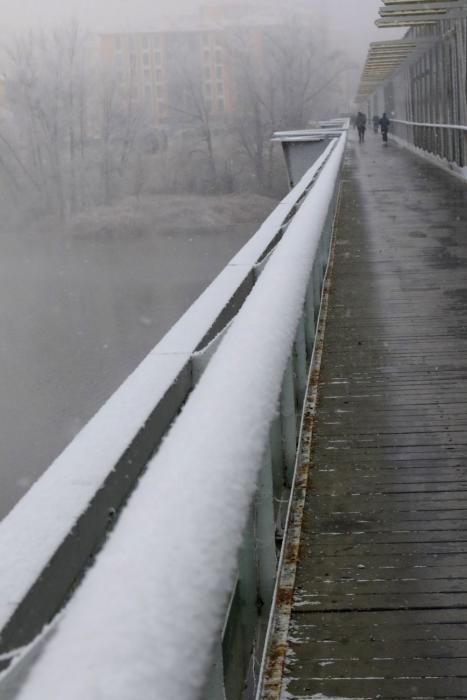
(361, 126)
(385, 123)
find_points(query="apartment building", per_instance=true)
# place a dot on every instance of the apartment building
(181, 73)
(176, 74)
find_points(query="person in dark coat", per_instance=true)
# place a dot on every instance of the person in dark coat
(384, 124)
(361, 126)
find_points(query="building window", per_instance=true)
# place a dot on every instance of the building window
(219, 55)
(207, 73)
(160, 92)
(147, 75)
(158, 75)
(157, 58)
(145, 59)
(207, 56)
(220, 88)
(155, 41)
(220, 104)
(219, 72)
(144, 42)
(208, 89)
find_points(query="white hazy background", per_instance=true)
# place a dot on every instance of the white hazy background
(349, 24)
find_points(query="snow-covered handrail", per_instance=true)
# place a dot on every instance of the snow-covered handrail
(456, 127)
(48, 539)
(144, 621)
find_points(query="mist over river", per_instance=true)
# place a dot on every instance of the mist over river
(79, 311)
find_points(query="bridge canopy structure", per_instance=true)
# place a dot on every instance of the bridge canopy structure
(420, 80)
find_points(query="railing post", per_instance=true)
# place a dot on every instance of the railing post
(310, 323)
(215, 689)
(247, 579)
(325, 242)
(277, 458)
(300, 362)
(317, 281)
(265, 532)
(289, 423)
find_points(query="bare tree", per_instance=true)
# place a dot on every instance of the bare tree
(190, 104)
(71, 131)
(278, 89)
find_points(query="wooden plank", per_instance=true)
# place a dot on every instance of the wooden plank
(372, 688)
(380, 603)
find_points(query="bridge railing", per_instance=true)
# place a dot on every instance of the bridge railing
(447, 142)
(177, 603)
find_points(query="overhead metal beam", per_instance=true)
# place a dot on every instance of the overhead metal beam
(422, 6)
(409, 21)
(409, 13)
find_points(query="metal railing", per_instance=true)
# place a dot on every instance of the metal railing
(445, 141)
(185, 582)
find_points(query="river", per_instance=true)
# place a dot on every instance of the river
(77, 314)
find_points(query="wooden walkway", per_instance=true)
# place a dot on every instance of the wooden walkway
(380, 605)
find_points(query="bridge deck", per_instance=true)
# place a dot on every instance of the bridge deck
(380, 606)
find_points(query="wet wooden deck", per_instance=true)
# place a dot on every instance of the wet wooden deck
(380, 604)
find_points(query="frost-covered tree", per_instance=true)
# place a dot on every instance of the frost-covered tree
(190, 104)
(278, 87)
(69, 132)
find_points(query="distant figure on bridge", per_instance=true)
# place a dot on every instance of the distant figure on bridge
(361, 126)
(385, 123)
(376, 121)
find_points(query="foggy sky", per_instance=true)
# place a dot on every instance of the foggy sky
(349, 23)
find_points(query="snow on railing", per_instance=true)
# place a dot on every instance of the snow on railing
(146, 620)
(49, 538)
(455, 127)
